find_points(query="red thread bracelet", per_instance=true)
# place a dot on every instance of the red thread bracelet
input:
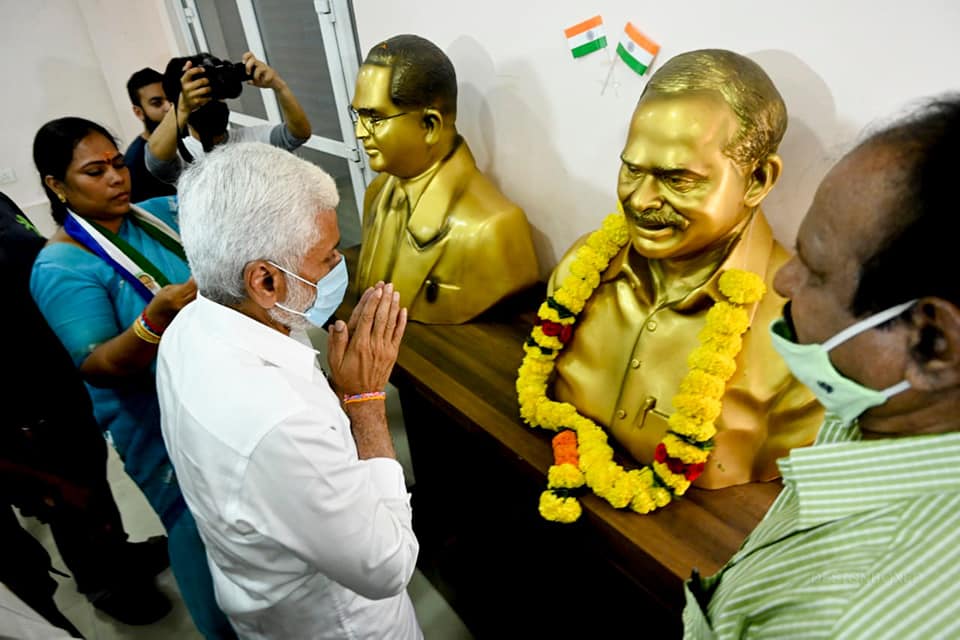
(149, 325)
(364, 397)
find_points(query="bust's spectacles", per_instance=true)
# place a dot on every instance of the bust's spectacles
(370, 123)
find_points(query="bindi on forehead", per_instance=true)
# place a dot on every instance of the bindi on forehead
(111, 157)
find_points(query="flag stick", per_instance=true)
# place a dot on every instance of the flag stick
(613, 62)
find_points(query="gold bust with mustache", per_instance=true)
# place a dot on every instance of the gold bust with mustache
(700, 157)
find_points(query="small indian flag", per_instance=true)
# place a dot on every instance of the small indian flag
(636, 49)
(586, 37)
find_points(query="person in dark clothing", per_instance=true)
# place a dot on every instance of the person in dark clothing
(53, 464)
(150, 104)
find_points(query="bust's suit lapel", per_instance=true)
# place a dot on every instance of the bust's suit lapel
(431, 222)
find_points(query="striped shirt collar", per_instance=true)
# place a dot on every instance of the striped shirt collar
(843, 474)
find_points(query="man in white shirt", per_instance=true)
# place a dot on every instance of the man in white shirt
(293, 480)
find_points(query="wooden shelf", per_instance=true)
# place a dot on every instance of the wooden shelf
(472, 452)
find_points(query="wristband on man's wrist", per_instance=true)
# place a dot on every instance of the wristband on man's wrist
(364, 397)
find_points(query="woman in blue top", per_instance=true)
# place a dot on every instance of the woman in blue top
(108, 282)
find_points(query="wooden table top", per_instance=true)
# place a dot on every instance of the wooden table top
(468, 371)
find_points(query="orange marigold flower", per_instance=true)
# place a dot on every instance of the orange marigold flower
(565, 448)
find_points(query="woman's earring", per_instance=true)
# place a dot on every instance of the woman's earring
(63, 198)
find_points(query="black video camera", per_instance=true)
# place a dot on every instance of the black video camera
(226, 78)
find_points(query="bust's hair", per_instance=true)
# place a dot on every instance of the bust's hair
(249, 201)
(745, 87)
(422, 74)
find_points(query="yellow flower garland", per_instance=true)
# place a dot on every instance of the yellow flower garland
(685, 448)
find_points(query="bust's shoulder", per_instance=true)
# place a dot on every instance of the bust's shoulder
(480, 201)
(373, 189)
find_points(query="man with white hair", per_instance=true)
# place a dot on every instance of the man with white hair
(293, 480)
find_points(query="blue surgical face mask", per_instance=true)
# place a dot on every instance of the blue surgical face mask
(811, 365)
(330, 291)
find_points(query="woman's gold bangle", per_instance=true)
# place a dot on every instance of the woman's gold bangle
(145, 334)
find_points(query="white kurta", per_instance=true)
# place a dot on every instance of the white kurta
(304, 539)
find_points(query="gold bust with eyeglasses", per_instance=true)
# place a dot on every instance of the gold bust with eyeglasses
(437, 228)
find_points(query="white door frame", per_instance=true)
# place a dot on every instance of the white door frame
(343, 64)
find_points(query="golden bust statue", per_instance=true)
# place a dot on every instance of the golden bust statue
(700, 157)
(436, 227)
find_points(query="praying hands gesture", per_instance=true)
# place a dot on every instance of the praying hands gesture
(363, 350)
(361, 354)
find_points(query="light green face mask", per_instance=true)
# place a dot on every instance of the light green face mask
(810, 364)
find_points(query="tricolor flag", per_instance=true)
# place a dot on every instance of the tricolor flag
(586, 37)
(636, 49)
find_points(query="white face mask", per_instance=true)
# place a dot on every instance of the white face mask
(811, 365)
(330, 291)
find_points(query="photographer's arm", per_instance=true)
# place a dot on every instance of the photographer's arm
(163, 140)
(193, 95)
(264, 76)
(293, 114)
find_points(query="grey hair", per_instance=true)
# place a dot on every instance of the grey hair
(249, 201)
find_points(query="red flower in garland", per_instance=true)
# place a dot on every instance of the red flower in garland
(660, 454)
(691, 471)
(563, 332)
(694, 470)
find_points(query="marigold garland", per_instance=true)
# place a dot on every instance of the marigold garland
(581, 453)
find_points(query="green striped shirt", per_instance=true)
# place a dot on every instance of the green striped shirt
(863, 542)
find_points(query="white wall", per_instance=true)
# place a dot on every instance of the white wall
(537, 123)
(533, 115)
(70, 57)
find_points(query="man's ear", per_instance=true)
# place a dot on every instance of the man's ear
(433, 125)
(264, 283)
(762, 179)
(934, 363)
(137, 111)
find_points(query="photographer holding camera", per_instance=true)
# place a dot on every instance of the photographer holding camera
(197, 85)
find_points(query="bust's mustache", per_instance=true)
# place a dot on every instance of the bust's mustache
(660, 218)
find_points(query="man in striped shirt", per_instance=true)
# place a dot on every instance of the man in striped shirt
(864, 540)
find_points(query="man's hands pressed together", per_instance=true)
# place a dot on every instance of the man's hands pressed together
(361, 355)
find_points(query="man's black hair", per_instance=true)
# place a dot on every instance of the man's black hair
(210, 121)
(139, 80)
(422, 74)
(917, 257)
